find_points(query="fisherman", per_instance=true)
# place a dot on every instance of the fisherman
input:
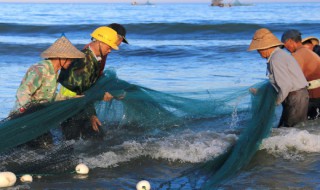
(310, 65)
(286, 77)
(312, 43)
(39, 84)
(83, 74)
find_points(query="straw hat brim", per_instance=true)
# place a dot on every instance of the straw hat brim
(314, 40)
(259, 46)
(264, 39)
(62, 48)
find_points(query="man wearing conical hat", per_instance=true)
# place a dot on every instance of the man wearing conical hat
(310, 65)
(84, 73)
(286, 77)
(40, 82)
(312, 43)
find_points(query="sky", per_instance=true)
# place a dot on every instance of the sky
(153, 1)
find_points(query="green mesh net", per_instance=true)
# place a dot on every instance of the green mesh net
(142, 111)
(259, 127)
(220, 169)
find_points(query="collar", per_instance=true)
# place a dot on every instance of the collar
(97, 58)
(269, 58)
(50, 66)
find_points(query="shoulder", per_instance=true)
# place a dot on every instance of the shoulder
(38, 69)
(280, 52)
(303, 51)
(281, 55)
(307, 54)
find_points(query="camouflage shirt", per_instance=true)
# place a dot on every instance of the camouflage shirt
(38, 85)
(82, 73)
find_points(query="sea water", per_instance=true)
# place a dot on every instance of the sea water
(172, 48)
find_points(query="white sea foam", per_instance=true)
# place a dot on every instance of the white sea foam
(187, 147)
(291, 143)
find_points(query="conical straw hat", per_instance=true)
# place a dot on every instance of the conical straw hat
(62, 48)
(314, 40)
(264, 39)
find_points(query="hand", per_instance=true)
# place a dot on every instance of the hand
(121, 96)
(278, 102)
(253, 91)
(107, 97)
(95, 123)
(78, 96)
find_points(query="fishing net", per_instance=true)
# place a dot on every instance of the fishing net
(218, 170)
(140, 111)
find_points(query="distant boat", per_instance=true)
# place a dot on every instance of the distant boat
(238, 3)
(146, 3)
(219, 3)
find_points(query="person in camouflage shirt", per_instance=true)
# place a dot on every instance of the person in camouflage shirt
(84, 73)
(38, 85)
(40, 82)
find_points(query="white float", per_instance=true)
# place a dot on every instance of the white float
(143, 185)
(7, 179)
(82, 169)
(26, 178)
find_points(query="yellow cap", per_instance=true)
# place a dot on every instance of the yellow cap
(106, 35)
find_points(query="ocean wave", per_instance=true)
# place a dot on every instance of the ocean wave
(158, 30)
(32, 46)
(292, 143)
(27, 29)
(36, 40)
(187, 147)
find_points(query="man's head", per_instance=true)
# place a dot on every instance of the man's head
(121, 31)
(291, 40)
(310, 42)
(264, 41)
(63, 50)
(105, 38)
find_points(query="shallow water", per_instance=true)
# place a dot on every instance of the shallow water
(176, 48)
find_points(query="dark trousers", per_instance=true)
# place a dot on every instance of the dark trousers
(314, 108)
(78, 127)
(295, 108)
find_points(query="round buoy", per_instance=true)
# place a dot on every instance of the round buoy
(26, 178)
(7, 179)
(82, 169)
(143, 185)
